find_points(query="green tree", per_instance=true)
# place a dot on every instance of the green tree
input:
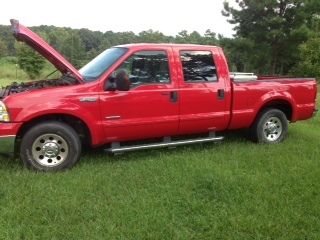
(90, 39)
(274, 26)
(29, 61)
(8, 40)
(239, 52)
(151, 36)
(3, 49)
(309, 64)
(185, 37)
(73, 48)
(210, 38)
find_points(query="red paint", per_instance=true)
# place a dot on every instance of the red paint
(146, 111)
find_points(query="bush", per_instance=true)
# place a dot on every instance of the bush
(30, 61)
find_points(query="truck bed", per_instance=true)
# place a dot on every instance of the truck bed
(252, 95)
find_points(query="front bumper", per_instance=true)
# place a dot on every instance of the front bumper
(8, 132)
(7, 144)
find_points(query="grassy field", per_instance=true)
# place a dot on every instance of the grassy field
(231, 190)
(10, 72)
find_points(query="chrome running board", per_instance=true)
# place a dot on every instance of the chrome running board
(116, 148)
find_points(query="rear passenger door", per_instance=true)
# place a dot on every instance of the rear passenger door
(202, 94)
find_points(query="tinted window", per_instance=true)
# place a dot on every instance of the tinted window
(147, 67)
(198, 66)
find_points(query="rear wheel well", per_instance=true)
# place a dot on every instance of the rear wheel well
(281, 105)
(77, 124)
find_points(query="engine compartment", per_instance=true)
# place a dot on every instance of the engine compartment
(15, 87)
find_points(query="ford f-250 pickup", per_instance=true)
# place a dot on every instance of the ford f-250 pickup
(173, 94)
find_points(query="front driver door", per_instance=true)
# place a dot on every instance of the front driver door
(150, 108)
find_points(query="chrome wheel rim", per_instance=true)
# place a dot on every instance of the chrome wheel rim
(50, 150)
(272, 129)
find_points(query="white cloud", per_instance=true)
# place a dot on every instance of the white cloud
(167, 16)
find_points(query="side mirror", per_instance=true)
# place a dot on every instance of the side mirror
(110, 84)
(122, 81)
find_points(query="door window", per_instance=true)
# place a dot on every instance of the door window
(146, 67)
(198, 66)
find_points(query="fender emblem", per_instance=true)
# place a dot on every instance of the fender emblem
(113, 117)
(88, 99)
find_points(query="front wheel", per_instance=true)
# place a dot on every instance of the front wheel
(50, 146)
(271, 126)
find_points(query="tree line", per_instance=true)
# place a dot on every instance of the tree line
(81, 45)
(272, 37)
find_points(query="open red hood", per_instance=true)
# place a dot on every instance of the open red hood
(24, 34)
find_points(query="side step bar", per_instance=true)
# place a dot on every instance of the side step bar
(116, 148)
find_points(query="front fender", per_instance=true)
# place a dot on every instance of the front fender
(88, 112)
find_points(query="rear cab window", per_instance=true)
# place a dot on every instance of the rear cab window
(198, 66)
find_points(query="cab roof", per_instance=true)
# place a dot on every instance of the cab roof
(166, 45)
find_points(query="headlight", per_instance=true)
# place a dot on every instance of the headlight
(4, 115)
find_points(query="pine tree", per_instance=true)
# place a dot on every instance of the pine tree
(276, 27)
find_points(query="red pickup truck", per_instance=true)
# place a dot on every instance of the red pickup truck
(163, 94)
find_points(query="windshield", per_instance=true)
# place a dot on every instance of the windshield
(95, 68)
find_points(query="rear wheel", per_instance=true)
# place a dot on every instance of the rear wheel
(50, 146)
(271, 126)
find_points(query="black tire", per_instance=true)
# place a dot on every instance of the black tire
(271, 126)
(50, 146)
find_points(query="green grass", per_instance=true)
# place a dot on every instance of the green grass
(10, 72)
(231, 190)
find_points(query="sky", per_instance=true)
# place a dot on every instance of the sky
(166, 16)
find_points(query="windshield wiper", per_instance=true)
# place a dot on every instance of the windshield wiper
(69, 78)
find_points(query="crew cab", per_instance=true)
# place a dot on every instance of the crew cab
(163, 95)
